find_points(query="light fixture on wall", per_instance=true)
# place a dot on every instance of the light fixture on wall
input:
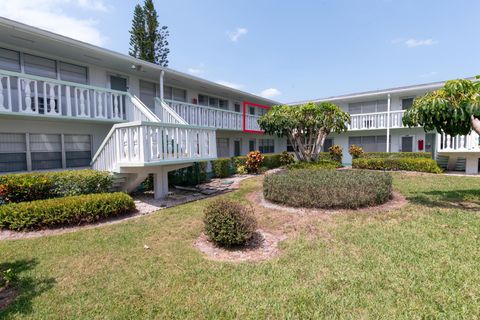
(136, 67)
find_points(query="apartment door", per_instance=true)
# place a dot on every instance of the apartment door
(237, 149)
(251, 145)
(148, 93)
(407, 144)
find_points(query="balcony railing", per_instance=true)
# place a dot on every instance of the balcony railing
(197, 115)
(151, 143)
(38, 96)
(376, 120)
(468, 143)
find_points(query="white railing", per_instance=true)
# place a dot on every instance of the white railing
(376, 120)
(152, 143)
(198, 115)
(32, 95)
(468, 143)
(167, 114)
(251, 122)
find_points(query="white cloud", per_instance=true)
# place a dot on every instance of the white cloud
(232, 85)
(235, 35)
(50, 15)
(413, 43)
(270, 93)
(197, 70)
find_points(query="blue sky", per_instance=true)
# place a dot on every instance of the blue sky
(287, 50)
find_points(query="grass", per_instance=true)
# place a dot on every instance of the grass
(420, 261)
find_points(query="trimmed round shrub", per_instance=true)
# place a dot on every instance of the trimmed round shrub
(309, 188)
(57, 212)
(229, 223)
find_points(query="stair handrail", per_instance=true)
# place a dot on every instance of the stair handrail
(167, 110)
(144, 110)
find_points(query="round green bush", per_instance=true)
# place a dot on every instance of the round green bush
(309, 188)
(229, 223)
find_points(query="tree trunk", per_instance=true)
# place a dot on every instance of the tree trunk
(475, 124)
(322, 135)
(294, 145)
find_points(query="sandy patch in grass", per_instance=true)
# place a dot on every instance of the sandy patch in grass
(262, 246)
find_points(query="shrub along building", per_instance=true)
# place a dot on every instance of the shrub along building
(376, 126)
(68, 104)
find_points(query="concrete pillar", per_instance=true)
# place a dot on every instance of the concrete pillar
(452, 162)
(160, 183)
(389, 101)
(471, 164)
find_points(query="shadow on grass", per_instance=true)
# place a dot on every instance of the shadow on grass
(455, 199)
(26, 287)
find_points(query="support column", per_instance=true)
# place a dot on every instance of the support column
(388, 122)
(452, 162)
(162, 74)
(471, 164)
(160, 183)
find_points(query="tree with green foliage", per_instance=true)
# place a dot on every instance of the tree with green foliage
(148, 40)
(306, 126)
(453, 109)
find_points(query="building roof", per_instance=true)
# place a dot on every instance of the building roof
(23, 35)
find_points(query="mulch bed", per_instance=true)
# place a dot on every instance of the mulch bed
(262, 246)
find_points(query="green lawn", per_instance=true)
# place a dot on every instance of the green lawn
(421, 261)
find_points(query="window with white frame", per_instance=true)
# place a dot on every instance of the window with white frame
(266, 145)
(9, 60)
(368, 107)
(40, 66)
(369, 143)
(213, 102)
(21, 151)
(172, 93)
(73, 73)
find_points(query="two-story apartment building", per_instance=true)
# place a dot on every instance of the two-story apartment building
(376, 126)
(68, 104)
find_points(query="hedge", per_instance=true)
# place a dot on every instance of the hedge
(222, 167)
(271, 161)
(320, 164)
(50, 213)
(328, 188)
(394, 164)
(37, 186)
(391, 155)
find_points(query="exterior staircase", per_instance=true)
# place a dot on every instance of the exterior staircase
(151, 144)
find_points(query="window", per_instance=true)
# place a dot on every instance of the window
(73, 73)
(369, 143)
(251, 110)
(237, 107)
(78, 150)
(368, 107)
(9, 60)
(39, 66)
(213, 102)
(266, 146)
(13, 152)
(289, 146)
(223, 149)
(171, 93)
(407, 103)
(44, 151)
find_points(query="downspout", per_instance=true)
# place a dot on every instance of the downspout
(158, 111)
(388, 123)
